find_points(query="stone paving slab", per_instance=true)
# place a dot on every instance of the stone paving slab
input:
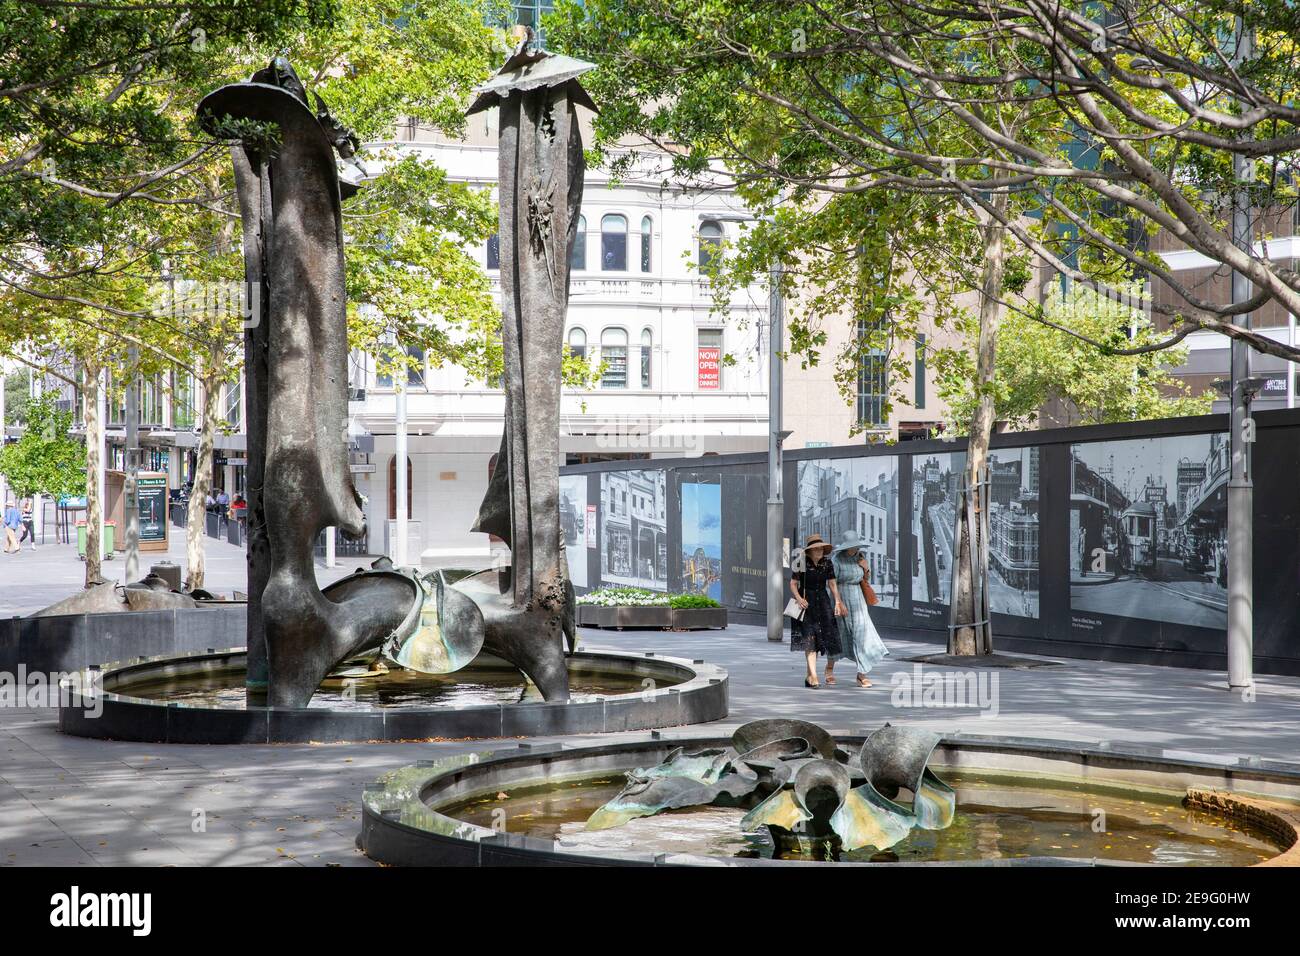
(74, 802)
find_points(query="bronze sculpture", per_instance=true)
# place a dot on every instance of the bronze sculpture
(799, 785)
(296, 353)
(290, 190)
(526, 610)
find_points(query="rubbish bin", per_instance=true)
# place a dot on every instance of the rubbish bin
(106, 547)
(170, 572)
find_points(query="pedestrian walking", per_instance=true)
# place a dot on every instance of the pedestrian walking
(813, 587)
(857, 632)
(28, 518)
(13, 520)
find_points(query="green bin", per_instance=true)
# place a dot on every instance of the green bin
(106, 548)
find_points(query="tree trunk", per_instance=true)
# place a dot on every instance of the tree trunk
(94, 448)
(969, 584)
(196, 520)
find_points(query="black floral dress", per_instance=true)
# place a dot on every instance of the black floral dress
(818, 630)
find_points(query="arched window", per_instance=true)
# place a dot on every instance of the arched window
(577, 343)
(710, 241)
(613, 243)
(613, 353)
(578, 256)
(647, 235)
(494, 251)
(647, 349)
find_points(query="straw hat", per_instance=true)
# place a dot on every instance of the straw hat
(814, 542)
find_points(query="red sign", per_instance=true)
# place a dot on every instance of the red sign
(710, 362)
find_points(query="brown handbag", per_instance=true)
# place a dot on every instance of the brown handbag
(868, 591)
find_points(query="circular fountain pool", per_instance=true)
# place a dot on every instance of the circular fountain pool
(201, 699)
(1000, 818)
(1018, 802)
(395, 689)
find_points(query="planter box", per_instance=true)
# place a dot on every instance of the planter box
(685, 619)
(699, 618)
(621, 617)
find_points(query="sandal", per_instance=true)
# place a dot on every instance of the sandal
(829, 678)
(808, 683)
(862, 681)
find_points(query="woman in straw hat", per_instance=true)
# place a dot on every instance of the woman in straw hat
(813, 587)
(858, 635)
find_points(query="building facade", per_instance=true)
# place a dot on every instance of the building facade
(678, 377)
(817, 413)
(1209, 354)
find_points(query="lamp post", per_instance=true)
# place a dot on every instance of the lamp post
(1239, 389)
(775, 439)
(131, 506)
(399, 471)
(1241, 492)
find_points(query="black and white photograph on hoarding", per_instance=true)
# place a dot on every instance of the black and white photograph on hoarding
(839, 495)
(934, 500)
(1013, 531)
(1148, 529)
(573, 526)
(634, 529)
(1013, 528)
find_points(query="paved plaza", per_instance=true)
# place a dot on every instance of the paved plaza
(70, 801)
(31, 580)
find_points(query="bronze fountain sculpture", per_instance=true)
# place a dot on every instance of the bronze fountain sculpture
(801, 787)
(290, 192)
(526, 609)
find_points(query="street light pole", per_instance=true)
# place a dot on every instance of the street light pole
(400, 492)
(775, 496)
(1241, 492)
(775, 437)
(131, 506)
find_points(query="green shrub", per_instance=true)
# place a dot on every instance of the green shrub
(684, 601)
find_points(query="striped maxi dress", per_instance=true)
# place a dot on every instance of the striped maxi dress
(858, 635)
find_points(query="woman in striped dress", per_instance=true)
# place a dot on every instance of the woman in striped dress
(857, 634)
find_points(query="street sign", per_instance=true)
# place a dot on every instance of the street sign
(151, 495)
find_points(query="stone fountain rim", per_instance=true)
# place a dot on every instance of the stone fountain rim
(399, 828)
(699, 696)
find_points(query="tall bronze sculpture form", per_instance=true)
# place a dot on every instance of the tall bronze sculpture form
(524, 612)
(290, 190)
(296, 354)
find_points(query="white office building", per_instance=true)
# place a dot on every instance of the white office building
(637, 303)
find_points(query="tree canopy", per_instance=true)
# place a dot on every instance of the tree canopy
(1039, 363)
(45, 460)
(1100, 124)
